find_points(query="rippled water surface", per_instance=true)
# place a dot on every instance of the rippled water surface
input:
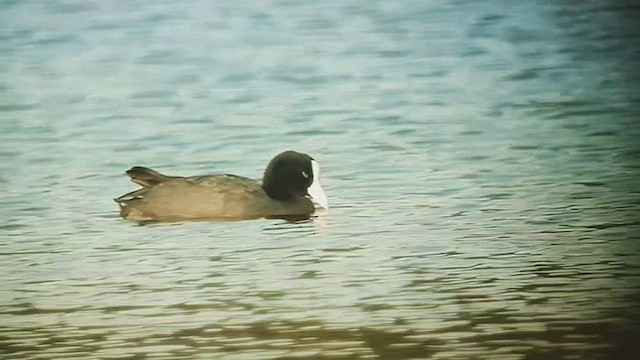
(481, 158)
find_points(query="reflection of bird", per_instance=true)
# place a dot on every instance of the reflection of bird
(288, 182)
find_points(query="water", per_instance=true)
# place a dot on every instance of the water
(481, 159)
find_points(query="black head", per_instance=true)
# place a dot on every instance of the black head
(288, 175)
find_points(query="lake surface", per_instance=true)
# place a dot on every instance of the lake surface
(482, 161)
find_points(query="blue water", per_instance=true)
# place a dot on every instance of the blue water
(481, 160)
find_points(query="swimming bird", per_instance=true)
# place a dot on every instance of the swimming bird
(290, 181)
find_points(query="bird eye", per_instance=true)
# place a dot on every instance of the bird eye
(304, 173)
